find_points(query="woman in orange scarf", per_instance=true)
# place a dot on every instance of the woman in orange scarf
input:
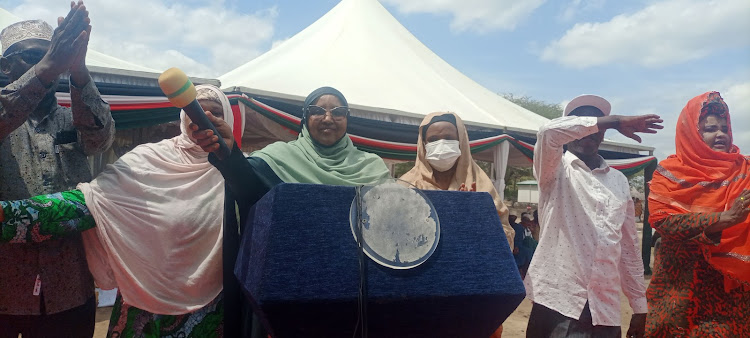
(699, 204)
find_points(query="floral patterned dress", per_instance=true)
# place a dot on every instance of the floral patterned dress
(128, 321)
(54, 216)
(686, 297)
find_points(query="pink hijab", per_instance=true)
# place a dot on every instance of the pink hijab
(159, 213)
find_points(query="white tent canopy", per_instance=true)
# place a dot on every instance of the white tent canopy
(383, 70)
(361, 49)
(386, 74)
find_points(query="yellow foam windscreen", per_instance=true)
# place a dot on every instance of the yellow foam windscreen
(177, 87)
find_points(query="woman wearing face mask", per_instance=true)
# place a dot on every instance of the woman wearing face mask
(444, 162)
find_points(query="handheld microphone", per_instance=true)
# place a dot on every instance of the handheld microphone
(181, 93)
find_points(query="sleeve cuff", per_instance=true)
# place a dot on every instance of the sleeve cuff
(73, 85)
(91, 98)
(589, 121)
(234, 156)
(713, 239)
(34, 82)
(30, 86)
(702, 237)
(639, 305)
(88, 92)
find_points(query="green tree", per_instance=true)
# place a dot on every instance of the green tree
(513, 175)
(637, 182)
(402, 168)
(546, 109)
(549, 110)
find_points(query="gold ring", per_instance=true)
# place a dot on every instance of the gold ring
(742, 198)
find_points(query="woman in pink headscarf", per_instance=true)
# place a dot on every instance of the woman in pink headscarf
(155, 218)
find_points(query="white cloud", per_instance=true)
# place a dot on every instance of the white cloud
(663, 33)
(206, 39)
(473, 15)
(667, 101)
(737, 98)
(576, 7)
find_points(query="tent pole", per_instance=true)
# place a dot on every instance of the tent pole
(648, 174)
(500, 164)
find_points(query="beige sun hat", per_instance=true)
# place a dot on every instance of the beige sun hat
(588, 100)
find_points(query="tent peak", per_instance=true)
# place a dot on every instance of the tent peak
(359, 48)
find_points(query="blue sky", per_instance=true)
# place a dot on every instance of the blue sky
(646, 56)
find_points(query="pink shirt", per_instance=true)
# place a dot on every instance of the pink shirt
(588, 247)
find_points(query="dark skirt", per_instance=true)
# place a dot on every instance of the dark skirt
(547, 323)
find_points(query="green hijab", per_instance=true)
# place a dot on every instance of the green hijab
(303, 161)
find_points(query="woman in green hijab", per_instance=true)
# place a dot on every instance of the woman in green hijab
(322, 154)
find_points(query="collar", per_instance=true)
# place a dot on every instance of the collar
(571, 159)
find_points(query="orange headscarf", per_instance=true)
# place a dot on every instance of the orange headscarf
(467, 172)
(699, 179)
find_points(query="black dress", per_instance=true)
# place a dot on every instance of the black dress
(247, 180)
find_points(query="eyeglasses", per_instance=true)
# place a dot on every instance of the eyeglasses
(337, 113)
(29, 56)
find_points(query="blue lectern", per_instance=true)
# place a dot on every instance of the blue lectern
(298, 267)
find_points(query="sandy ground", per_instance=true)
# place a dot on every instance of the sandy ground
(514, 326)
(102, 321)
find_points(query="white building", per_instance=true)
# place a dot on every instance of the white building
(528, 192)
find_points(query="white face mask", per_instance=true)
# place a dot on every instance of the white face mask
(443, 154)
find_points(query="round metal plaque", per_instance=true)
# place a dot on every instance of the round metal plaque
(400, 227)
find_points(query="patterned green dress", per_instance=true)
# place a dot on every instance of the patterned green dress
(45, 217)
(53, 216)
(128, 321)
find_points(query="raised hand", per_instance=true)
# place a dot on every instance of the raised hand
(68, 40)
(206, 138)
(78, 69)
(630, 125)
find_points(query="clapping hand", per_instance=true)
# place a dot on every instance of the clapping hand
(67, 50)
(78, 67)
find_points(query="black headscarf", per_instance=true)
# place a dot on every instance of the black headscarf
(315, 95)
(439, 118)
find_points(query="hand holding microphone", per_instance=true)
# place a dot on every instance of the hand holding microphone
(211, 133)
(207, 140)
